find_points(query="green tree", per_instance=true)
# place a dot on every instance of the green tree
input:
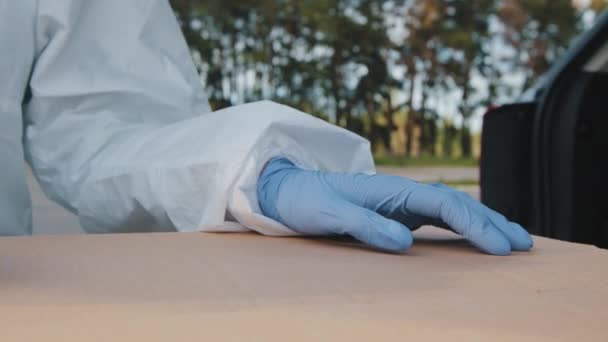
(539, 31)
(465, 34)
(419, 55)
(335, 58)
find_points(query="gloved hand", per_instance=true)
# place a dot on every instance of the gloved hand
(380, 210)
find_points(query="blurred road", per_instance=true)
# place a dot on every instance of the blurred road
(433, 174)
(50, 218)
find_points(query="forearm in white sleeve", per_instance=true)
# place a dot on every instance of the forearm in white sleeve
(120, 131)
(16, 58)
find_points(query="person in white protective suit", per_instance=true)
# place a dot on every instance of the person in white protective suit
(103, 101)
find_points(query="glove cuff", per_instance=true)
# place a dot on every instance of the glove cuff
(269, 185)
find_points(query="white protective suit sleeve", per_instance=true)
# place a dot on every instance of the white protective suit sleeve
(16, 57)
(120, 132)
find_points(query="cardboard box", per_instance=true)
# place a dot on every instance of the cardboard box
(244, 287)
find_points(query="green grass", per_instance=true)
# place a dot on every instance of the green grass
(461, 182)
(425, 161)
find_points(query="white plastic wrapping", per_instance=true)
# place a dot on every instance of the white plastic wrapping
(119, 130)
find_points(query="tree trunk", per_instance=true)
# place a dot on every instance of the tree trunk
(465, 111)
(348, 123)
(390, 123)
(338, 111)
(371, 109)
(337, 99)
(465, 140)
(449, 135)
(411, 115)
(336, 83)
(423, 139)
(433, 137)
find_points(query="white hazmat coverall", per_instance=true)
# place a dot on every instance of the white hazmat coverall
(103, 101)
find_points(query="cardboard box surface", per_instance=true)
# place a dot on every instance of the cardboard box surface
(246, 287)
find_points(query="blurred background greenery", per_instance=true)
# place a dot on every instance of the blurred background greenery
(412, 76)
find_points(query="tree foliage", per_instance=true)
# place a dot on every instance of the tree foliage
(341, 60)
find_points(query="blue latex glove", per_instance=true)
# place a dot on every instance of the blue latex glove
(380, 210)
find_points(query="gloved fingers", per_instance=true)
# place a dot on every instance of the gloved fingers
(379, 193)
(518, 237)
(368, 227)
(460, 215)
(368, 191)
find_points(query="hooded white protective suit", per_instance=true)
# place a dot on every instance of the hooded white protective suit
(105, 99)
